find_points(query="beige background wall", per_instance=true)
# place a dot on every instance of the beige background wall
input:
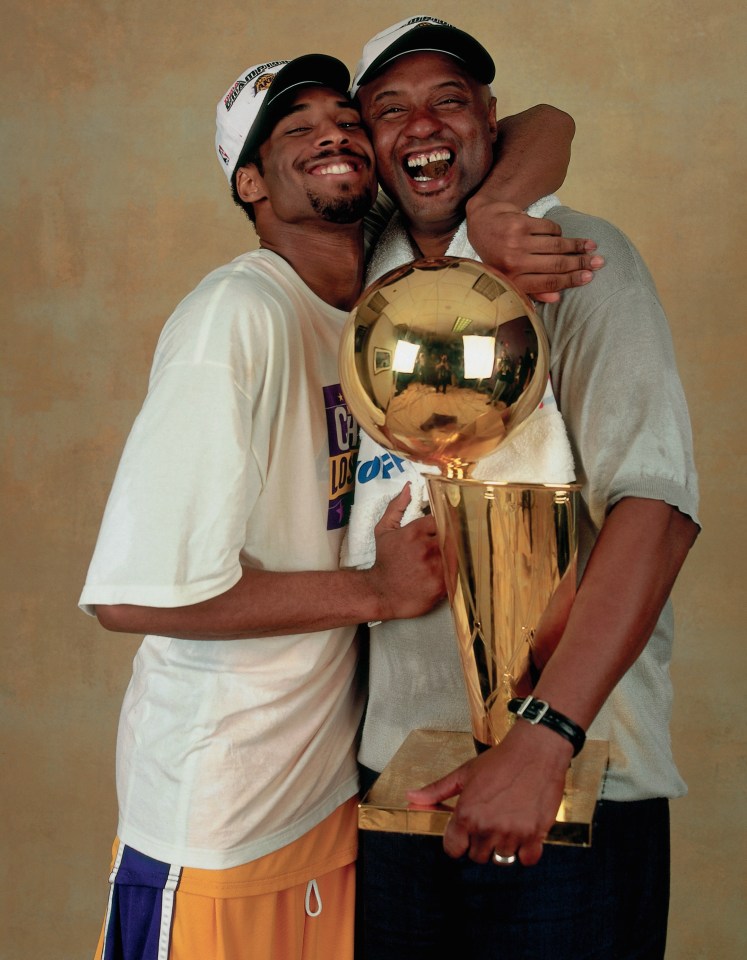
(113, 207)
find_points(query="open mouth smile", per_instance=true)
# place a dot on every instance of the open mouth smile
(339, 166)
(428, 165)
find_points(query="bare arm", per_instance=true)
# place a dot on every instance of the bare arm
(406, 581)
(510, 794)
(533, 153)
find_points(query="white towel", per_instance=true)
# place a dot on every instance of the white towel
(536, 452)
(395, 247)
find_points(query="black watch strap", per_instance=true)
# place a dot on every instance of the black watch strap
(537, 711)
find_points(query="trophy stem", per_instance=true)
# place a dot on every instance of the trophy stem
(510, 554)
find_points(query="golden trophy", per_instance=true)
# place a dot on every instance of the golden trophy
(441, 361)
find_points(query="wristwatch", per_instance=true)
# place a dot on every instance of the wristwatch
(538, 711)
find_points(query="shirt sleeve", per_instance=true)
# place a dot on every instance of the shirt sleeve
(623, 403)
(176, 519)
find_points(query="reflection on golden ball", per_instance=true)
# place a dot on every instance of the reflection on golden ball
(441, 359)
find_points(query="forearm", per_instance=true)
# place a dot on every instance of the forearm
(405, 581)
(629, 576)
(262, 604)
(533, 152)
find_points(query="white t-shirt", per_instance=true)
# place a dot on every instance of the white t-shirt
(242, 455)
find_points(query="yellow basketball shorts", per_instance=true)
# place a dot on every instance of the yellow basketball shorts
(297, 903)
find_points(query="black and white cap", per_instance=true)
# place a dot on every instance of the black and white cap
(422, 35)
(252, 105)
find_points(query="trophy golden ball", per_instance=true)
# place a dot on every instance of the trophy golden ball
(441, 359)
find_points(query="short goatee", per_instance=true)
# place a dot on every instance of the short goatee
(341, 209)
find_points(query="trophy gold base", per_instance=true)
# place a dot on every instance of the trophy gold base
(427, 755)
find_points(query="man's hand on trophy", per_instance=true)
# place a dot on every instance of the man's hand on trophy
(408, 575)
(509, 797)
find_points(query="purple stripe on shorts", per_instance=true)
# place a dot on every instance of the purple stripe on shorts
(139, 917)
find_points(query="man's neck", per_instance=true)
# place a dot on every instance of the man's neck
(432, 240)
(327, 257)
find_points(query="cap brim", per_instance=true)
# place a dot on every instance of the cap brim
(436, 39)
(313, 69)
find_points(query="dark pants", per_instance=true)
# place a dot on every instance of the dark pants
(607, 902)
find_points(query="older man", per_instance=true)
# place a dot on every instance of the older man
(423, 89)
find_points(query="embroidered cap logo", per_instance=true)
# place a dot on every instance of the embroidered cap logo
(263, 83)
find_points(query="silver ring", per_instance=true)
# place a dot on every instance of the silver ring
(503, 861)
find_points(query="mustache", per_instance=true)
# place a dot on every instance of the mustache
(338, 153)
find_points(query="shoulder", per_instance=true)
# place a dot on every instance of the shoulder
(623, 263)
(238, 305)
(252, 279)
(623, 286)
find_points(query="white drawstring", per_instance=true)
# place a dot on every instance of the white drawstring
(313, 889)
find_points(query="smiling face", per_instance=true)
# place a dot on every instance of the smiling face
(316, 163)
(433, 127)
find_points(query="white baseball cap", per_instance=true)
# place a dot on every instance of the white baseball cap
(422, 35)
(252, 105)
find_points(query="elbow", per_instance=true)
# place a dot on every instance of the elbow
(116, 617)
(686, 528)
(564, 121)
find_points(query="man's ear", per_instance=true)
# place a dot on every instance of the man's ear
(492, 119)
(250, 184)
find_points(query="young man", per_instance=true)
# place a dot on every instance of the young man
(423, 89)
(235, 765)
(236, 770)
